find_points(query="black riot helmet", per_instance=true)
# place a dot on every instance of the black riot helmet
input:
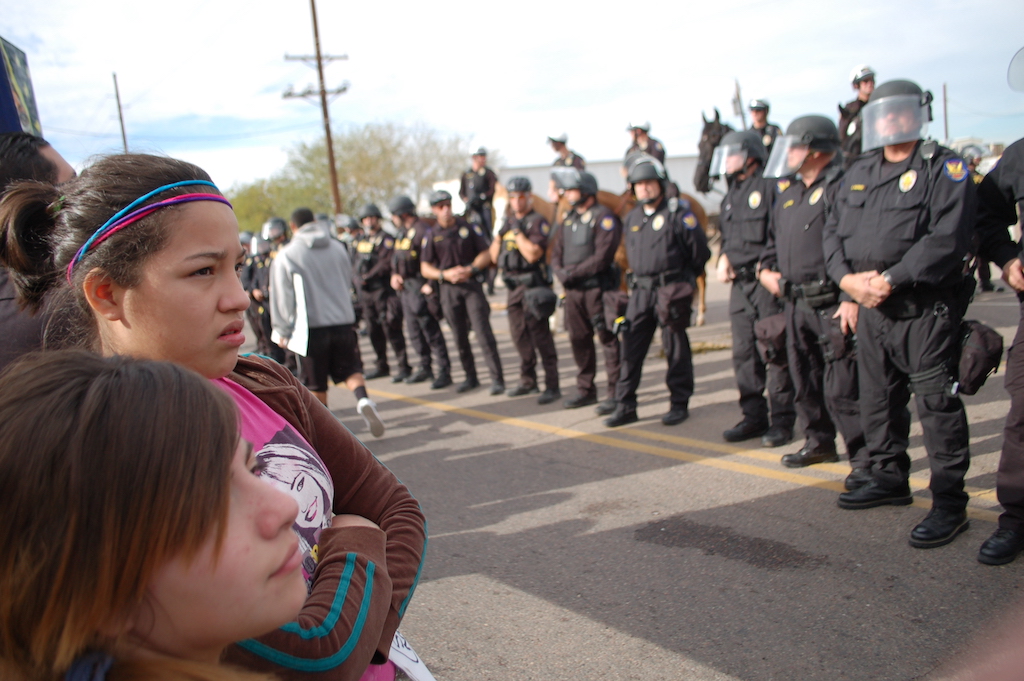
(346, 222)
(439, 196)
(274, 229)
(519, 184)
(741, 143)
(646, 167)
(898, 111)
(370, 210)
(804, 135)
(572, 178)
(401, 205)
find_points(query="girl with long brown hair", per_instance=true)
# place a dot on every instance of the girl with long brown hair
(140, 257)
(138, 541)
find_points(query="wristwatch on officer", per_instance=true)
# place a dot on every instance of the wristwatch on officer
(440, 275)
(474, 270)
(888, 278)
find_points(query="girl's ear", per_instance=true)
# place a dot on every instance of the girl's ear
(105, 297)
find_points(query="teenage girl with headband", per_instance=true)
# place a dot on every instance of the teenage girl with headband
(140, 256)
(138, 542)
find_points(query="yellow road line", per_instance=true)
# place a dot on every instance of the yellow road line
(679, 455)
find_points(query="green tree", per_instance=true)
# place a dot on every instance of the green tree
(375, 162)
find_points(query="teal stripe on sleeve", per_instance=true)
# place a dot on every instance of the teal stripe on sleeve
(326, 663)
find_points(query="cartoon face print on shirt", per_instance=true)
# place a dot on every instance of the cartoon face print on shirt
(287, 464)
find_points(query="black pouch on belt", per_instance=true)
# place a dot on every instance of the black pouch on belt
(770, 335)
(981, 349)
(673, 304)
(540, 302)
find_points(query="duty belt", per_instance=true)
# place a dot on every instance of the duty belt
(413, 283)
(814, 294)
(371, 285)
(746, 274)
(530, 278)
(655, 280)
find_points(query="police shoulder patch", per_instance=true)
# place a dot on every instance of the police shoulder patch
(389, 242)
(782, 185)
(955, 170)
(690, 221)
(545, 228)
(607, 223)
(476, 228)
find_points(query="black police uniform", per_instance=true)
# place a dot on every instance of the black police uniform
(654, 148)
(531, 336)
(464, 304)
(420, 323)
(667, 250)
(999, 195)
(744, 224)
(382, 308)
(981, 265)
(822, 360)
(582, 257)
(851, 131)
(477, 190)
(911, 219)
(768, 135)
(573, 160)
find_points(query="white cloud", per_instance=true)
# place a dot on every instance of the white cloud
(509, 75)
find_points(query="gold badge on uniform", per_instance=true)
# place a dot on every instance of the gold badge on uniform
(908, 180)
(767, 139)
(857, 188)
(754, 200)
(816, 195)
(659, 222)
(463, 232)
(783, 185)
(585, 217)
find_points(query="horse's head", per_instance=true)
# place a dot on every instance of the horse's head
(713, 132)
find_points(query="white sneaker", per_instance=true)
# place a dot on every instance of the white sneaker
(367, 408)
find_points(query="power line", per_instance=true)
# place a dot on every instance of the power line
(190, 138)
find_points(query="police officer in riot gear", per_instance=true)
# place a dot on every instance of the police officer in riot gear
(455, 256)
(667, 249)
(862, 78)
(768, 132)
(746, 209)
(819, 328)
(896, 243)
(381, 306)
(518, 251)
(583, 258)
(1000, 196)
(418, 296)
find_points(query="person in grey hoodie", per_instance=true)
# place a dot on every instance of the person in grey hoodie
(321, 266)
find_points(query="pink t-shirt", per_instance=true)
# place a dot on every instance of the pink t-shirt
(289, 463)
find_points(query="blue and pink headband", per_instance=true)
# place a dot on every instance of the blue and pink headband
(133, 213)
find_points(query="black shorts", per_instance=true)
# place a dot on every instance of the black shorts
(333, 351)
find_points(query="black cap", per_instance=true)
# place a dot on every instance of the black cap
(519, 184)
(439, 196)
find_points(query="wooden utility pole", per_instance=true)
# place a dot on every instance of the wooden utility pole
(322, 92)
(120, 115)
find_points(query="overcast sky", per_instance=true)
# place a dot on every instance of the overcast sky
(202, 79)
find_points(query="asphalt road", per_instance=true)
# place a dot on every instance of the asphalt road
(560, 549)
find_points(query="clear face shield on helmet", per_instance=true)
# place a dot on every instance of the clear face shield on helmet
(787, 156)
(895, 120)
(727, 159)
